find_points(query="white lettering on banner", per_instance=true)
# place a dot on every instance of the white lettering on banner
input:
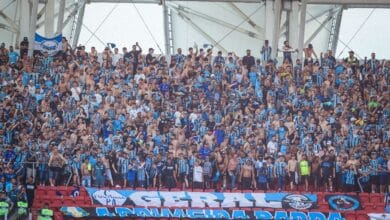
(109, 197)
(199, 200)
(174, 199)
(188, 199)
(261, 202)
(232, 198)
(146, 198)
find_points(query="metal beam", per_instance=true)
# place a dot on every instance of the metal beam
(200, 30)
(336, 31)
(33, 27)
(293, 22)
(319, 28)
(187, 10)
(372, 3)
(39, 24)
(9, 20)
(273, 12)
(71, 15)
(79, 23)
(24, 20)
(8, 28)
(247, 18)
(49, 18)
(158, 1)
(167, 35)
(41, 13)
(346, 3)
(60, 20)
(302, 21)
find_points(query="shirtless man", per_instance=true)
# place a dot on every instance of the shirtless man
(86, 173)
(209, 138)
(232, 169)
(309, 52)
(292, 166)
(221, 164)
(247, 175)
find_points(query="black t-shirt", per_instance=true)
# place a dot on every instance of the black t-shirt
(150, 59)
(248, 61)
(134, 55)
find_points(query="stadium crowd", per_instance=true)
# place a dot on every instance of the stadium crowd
(196, 120)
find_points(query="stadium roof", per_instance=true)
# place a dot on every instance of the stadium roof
(229, 25)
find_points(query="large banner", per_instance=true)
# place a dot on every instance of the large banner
(340, 202)
(50, 45)
(123, 212)
(175, 199)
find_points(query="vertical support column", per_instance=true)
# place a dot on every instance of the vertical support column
(60, 19)
(293, 21)
(336, 30)
(273, 9)
(79, 24)
(33, 26)
(15, 35)
(24, 22)
(302, 22)
(166, 30)
(49, 18)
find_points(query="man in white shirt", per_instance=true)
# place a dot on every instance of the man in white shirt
(76, 91)
(116, 56)
(198, 176)
(139, 75)
(272, 146)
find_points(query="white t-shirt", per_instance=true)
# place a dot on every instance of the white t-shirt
(115, 58)
(137, 77)
(198, 174)
(272, 147)
(177, 118)
(76, 93)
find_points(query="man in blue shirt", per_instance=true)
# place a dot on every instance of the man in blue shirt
(12, 55)
(327, 173)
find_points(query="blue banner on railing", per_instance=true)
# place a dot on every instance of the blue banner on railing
(341, 202)
(124, 212)
(200, 199)
(50, 45)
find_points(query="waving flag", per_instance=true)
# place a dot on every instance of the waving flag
(50, 45)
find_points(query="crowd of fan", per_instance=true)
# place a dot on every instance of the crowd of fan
(134, 119)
